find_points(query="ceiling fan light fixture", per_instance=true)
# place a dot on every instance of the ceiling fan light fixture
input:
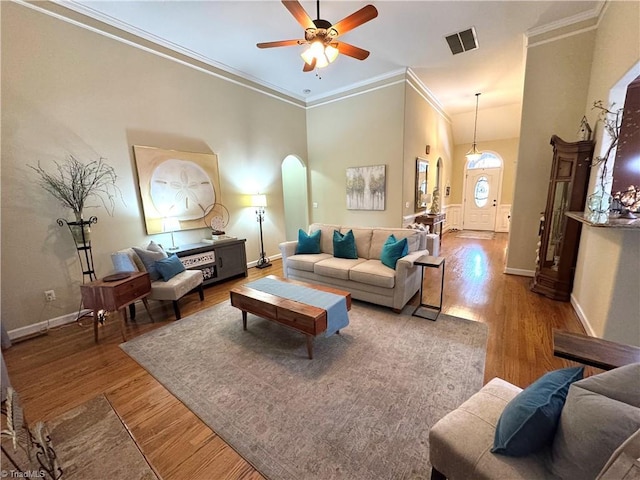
(474, 154)
(323, 55)
(331, 52)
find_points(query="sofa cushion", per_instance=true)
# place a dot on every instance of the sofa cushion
(373, 272)
(169, 267)
(308, 243)
(336, 267)
(306, 262)
(326, 237)
(344, 245)
(528, 423)
(600, 413)
(149, 260)
(363, 240)
(393, 250)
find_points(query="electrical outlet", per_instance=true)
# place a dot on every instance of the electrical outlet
(49, 295)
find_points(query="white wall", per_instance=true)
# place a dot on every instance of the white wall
(66, 89)
(555, 91)
(607, 281)
(362, 130)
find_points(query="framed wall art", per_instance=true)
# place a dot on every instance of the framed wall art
(181, 189)
(366, 187)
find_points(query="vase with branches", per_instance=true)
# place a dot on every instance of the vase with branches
(599, 202)
(74, 183)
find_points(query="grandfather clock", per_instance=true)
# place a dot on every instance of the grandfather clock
(559, 234)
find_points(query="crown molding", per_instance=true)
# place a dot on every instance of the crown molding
(426, 94)
(594, 13)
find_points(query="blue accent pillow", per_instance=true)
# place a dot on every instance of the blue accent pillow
(308, 243)
(393, 250)
(123, 263)
(169, 267)
(529, 421)
(344, 246)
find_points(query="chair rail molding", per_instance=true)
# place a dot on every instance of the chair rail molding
(453, 221)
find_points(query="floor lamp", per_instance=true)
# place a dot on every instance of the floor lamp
(260, 201)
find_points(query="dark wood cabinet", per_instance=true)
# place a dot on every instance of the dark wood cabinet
(560, 235)
(218, 261)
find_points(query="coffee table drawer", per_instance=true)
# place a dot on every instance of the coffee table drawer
(302, 322)
(254, 305)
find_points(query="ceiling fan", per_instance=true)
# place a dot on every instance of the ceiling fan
(321, 35)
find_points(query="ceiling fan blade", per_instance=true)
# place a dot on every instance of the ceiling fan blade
(309, 68)
(280, 43)
(356, 19)
(299, 13)
(352, 51)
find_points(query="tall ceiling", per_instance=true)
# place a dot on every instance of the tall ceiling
(406, 34)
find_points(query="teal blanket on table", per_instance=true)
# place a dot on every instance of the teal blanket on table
(335, 305)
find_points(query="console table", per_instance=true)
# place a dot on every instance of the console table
(218, 261)
(593, 351)
(432, 220)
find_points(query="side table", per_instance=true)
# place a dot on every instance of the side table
(115, 296)
(423, 310)
(433, 220)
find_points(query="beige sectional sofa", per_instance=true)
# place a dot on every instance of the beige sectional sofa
(365, 277)
(597, 437)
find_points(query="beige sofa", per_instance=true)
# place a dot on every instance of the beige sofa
(598, 434)
(365, 277)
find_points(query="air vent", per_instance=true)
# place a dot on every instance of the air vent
(462, 41)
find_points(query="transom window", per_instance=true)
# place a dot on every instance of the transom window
(486, 160)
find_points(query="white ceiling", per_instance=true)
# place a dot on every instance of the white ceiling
(406, 34)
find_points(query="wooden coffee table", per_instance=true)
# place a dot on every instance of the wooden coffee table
(303, 318)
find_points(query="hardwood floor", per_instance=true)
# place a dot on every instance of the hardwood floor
(65, 368)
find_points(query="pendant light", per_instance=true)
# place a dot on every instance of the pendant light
(474, 154)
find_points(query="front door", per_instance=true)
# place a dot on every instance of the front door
(481, 199)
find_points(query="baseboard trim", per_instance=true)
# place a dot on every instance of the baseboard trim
(271, 257)
(582, 317)
(520, 271)
(43, 327)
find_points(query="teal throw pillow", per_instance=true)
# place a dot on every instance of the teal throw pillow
(169, 267)
(529, 421)
(344, 246)
(308, 243)
(393, 250)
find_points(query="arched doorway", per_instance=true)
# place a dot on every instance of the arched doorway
(295, 196)
(483, 181)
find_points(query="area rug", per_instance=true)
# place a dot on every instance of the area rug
(361, 409)
(478, 235)
(90, 441)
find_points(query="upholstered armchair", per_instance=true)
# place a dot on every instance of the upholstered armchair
(169, 279)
